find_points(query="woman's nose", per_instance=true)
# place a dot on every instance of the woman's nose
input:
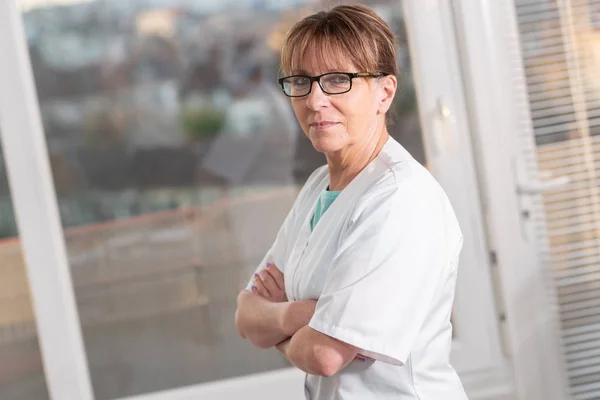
(316, 98)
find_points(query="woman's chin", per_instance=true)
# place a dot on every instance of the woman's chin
(325, 146)
(326, 143)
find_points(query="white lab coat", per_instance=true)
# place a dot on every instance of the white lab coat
(382, 262)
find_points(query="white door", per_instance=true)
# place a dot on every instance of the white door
(538, 127)
(524, 93)
(563, 137)
(131, 95)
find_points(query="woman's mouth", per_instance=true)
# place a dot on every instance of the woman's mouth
(322, 125)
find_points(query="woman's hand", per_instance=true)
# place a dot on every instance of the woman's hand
(269, 283)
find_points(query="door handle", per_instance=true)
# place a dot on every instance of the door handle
(540, 187)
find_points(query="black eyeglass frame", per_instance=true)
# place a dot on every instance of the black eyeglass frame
(351, 76)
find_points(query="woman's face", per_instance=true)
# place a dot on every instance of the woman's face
(337, 122)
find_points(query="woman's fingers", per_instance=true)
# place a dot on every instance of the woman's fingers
(277, 293)
(268, 281)
(277, 275)
(259, 287)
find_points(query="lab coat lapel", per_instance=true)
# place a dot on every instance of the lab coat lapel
(303, 237)
(309, 245)
(341, 207)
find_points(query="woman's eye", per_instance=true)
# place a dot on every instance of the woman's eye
(338, 79)
(300, 81)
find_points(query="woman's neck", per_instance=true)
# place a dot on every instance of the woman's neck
(345, 165)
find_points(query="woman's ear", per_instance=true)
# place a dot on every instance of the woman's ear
(388, 85)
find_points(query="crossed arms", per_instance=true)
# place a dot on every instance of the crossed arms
(266, 318)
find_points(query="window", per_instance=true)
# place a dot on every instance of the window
(173, 173)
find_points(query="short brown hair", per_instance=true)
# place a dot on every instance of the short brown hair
(353, 32)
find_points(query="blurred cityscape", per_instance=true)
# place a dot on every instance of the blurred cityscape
(132, 94)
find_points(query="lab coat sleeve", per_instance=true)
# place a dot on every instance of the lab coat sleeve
(387, 269)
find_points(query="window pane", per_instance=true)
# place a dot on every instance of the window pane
(21, 369)
(175, 159)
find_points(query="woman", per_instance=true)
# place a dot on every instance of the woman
(357, 288)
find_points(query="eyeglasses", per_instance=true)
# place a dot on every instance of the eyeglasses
(330, 83)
